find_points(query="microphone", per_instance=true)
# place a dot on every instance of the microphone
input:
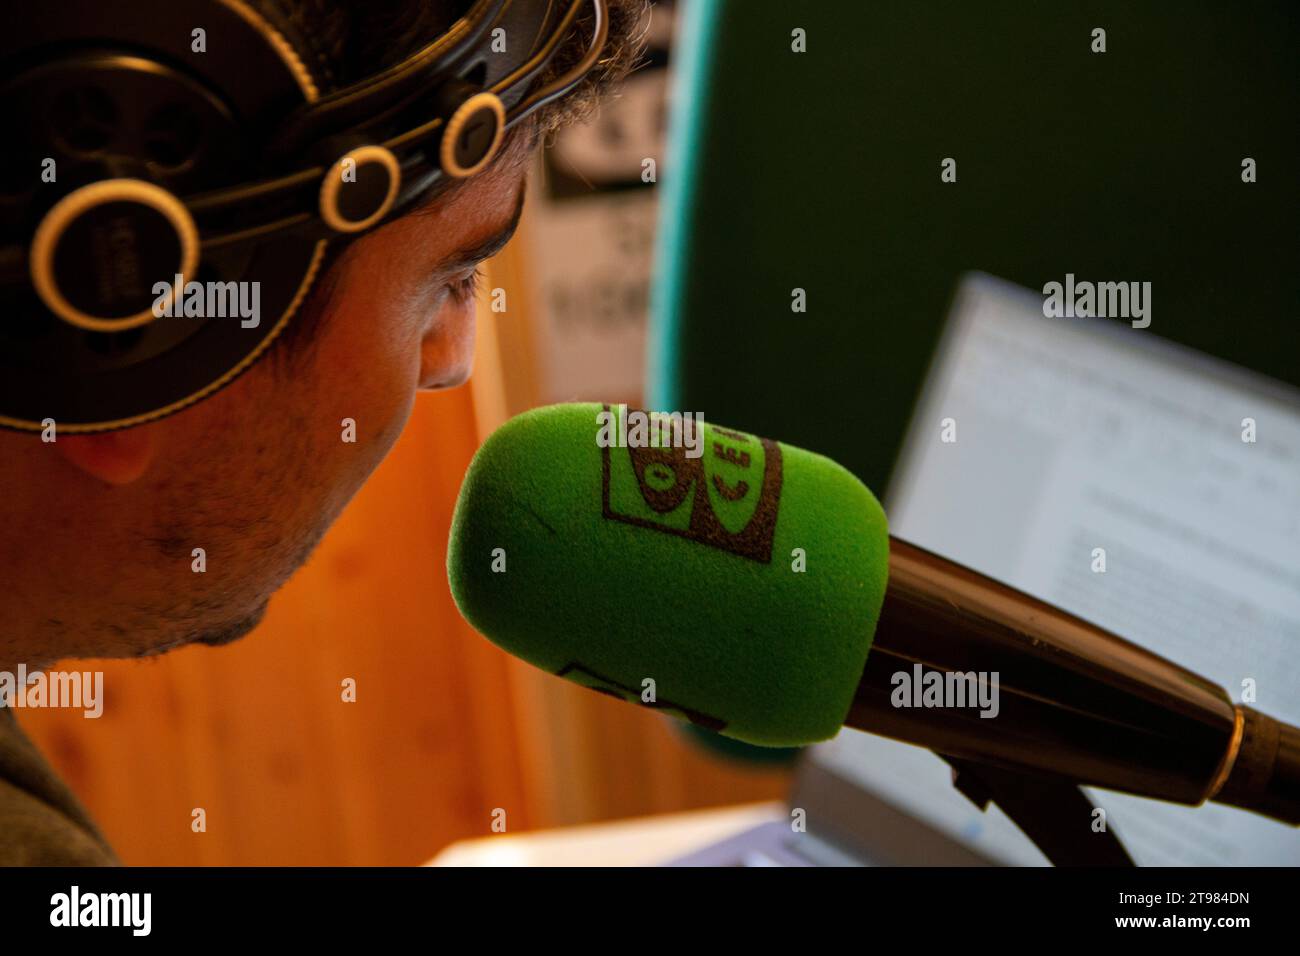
(738, 583)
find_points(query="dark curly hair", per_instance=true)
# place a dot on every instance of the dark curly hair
(351, 39)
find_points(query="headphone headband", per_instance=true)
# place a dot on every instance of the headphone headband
(151, 158)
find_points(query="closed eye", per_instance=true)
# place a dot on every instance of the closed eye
(466, 289)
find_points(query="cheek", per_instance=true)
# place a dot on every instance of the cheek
(367, 371)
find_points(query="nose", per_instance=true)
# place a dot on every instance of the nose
(447, 350)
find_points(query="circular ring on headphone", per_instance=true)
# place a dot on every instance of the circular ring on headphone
(370, 199)
(473, 135)
(74, 208)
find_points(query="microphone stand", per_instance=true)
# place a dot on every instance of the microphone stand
(1053, 812)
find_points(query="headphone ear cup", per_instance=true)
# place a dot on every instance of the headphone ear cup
(129, 127)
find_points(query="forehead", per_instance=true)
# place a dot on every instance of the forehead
(473, 211)
(506, 171)
(446, 231)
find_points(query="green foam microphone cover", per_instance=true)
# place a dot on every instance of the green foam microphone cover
(724, 578)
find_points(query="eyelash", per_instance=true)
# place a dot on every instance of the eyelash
(466, 289)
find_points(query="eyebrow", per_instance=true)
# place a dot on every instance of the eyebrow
(471, 255)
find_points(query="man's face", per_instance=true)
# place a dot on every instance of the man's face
(257, 473)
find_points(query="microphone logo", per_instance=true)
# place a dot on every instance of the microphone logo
(727, 498)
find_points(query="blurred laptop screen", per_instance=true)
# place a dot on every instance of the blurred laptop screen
(1079, 434)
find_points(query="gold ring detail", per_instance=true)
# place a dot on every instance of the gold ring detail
(68, 209)
(333, 181)
(1229, 755)
(447, 151)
